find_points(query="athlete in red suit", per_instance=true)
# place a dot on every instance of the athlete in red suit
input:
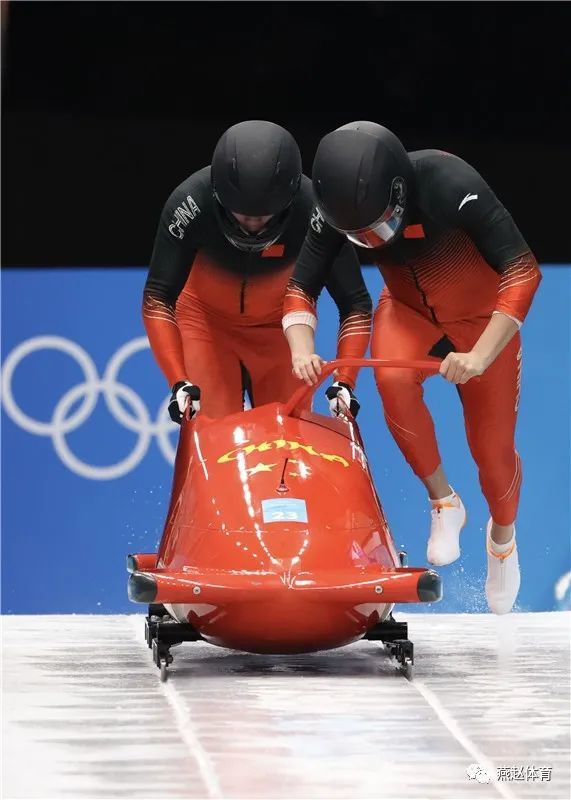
(225, 248)
(459, 281)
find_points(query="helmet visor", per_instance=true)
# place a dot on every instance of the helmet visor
(380, 232)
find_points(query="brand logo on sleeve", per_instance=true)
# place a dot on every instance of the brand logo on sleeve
(467, 200)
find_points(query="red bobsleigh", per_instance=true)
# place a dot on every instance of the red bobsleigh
(275, 540)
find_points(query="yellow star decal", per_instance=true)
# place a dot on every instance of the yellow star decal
(259, 468)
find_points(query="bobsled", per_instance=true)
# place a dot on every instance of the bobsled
(275, 540)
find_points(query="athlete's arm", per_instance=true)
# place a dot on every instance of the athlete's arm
(347, 288)
(470, 204)
(173, 253)
(460, 367)
(313, 265)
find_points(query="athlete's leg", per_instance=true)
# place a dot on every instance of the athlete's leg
(265, 353)
(400, 332)
(212, 365)
(490, 413)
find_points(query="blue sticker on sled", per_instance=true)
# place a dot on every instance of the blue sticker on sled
(284, 510)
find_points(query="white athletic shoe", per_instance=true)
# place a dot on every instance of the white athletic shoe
(448, 519)
(502, 583)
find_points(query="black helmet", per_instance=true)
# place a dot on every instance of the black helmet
(256, 171)
(361, 178)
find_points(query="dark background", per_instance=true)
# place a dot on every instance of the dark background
(107, 106)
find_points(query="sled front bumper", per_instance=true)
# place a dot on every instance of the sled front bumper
(372, 585)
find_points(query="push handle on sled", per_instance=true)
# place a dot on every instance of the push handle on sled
(304, 391)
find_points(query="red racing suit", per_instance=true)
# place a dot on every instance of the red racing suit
(213, 312)
(459, 260)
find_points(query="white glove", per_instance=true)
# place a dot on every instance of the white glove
(184, 394)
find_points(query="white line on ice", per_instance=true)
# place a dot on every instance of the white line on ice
(186, 728)
(448, 720)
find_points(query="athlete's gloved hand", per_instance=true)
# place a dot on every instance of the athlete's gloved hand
(341, 399)
(184, 394)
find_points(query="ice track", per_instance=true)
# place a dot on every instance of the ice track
(85, 716)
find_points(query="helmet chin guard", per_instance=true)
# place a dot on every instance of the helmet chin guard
(242, 239)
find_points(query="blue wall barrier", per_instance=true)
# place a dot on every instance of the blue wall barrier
(86, 450)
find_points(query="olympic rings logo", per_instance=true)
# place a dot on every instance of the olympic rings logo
(63, 422)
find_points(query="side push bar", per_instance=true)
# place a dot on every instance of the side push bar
(301, 394)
